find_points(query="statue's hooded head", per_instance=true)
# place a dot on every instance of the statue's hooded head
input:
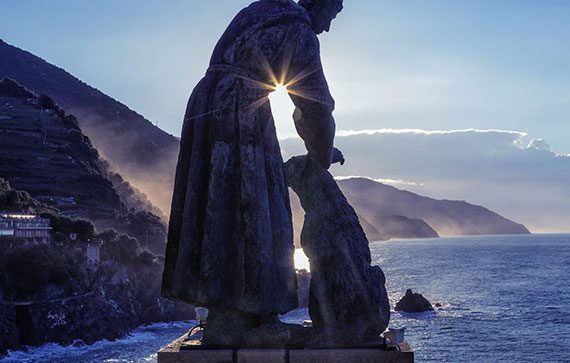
(322, 13)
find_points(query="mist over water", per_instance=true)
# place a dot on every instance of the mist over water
(503, 299)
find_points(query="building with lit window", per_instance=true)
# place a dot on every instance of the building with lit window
(27, 226)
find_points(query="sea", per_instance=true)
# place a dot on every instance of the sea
(500, 298)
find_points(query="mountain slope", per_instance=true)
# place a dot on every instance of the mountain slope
(446, 217)
(44, 152)
(142, 152)
(376, 226)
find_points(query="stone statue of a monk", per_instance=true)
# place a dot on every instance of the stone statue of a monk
(230, 238)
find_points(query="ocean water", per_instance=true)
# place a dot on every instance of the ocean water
(141, 345)
(503, 299)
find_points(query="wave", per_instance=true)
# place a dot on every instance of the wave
(140, 345)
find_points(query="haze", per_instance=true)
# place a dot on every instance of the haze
(418, 70)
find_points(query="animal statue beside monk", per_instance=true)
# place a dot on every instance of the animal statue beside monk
(230, 236)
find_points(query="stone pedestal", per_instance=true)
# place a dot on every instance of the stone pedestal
(173, 354)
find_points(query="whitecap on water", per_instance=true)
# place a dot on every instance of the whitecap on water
(139, 346)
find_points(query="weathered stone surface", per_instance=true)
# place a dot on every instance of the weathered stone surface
(261, 356)
(303, 287)
(404, 355)
(346, 291)
(226, 327)
(413, 303)
(291, 336)
(230, 240)
(173, 354)
(281, 335)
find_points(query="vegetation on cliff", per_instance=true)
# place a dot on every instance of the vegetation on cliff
(143, 152)
(52, 292)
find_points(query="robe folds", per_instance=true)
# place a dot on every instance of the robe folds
(230, 236)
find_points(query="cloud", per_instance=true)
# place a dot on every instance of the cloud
(493, 168)
(539, 144)
(345, 133)
(400, 183)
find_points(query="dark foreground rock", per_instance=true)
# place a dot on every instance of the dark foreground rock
(346, 291)
(51, 294)
(8, 329)
(413, 303)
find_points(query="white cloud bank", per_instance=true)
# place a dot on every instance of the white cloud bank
(528, 184)
(396, 183)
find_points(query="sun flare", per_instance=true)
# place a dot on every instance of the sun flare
(281, 88)
(282, 109)
(301, 260)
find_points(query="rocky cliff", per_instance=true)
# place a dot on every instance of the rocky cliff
(143, 153)
(51, 293)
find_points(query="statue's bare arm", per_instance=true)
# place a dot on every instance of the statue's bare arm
(314, 104)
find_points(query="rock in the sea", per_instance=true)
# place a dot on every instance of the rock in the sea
(413, 303)
(347, 293)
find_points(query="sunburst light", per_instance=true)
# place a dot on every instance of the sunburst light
(301, 260)
(282, 109)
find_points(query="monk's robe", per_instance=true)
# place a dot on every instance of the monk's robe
(230, 236)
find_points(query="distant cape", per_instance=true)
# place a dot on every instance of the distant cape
(386, 212)
(446, 217)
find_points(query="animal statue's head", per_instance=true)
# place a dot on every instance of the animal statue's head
(322, 13)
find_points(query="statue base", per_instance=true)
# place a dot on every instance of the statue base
(179, 351)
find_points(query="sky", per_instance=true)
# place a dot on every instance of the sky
(418, 65)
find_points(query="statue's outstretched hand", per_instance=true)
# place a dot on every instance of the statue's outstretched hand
(337, 156)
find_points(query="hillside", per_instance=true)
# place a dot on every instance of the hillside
(140, 151)
(377, 227)
(44, 152)
(50, 292)
(446, 217)
(386, 213)
(146, 156)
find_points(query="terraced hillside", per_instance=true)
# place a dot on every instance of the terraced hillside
(44, 152)
(48, 156)
(138, 149)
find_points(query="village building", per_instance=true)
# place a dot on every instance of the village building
(92, 252)
(24, 226)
